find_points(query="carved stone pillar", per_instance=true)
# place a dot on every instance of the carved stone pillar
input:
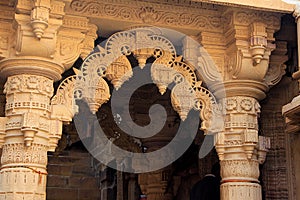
(41, 42)
(247, 75)
(29, 134)
(240, 149)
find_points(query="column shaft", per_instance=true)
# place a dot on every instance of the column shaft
(239, 150)
(24, 152)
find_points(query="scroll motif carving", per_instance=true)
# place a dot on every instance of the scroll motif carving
(148, 15)
(152, 13)
(277, 67)
(248, 17)
(210, 111)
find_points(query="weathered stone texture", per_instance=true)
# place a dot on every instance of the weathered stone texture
(71, 176)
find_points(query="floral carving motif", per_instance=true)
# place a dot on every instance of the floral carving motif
(241, 104)
(29, 83)
(246, 104)
(231, 104)
(147, 14)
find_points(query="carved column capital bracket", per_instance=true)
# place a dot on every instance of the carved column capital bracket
(248, 46)
(252, 63)
(30, 126)
(43, 38)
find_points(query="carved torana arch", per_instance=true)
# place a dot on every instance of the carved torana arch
(110, 62)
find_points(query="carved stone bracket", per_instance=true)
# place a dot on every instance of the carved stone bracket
(276, 66)
(42, 33)
(251, 60)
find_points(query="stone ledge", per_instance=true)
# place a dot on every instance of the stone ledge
(291, 113)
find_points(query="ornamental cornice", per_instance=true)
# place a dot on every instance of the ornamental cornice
(202, 17)
(268, 5)
(165, 4)
(247, 17)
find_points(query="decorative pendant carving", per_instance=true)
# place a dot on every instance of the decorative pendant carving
(30, 127)
(142, 55)
(264, 144)
(119, 71)
(182, 97)
(258, 41)
(40, 17)
(96, 94)
(162, 76)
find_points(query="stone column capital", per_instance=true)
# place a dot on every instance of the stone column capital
(43, 35)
